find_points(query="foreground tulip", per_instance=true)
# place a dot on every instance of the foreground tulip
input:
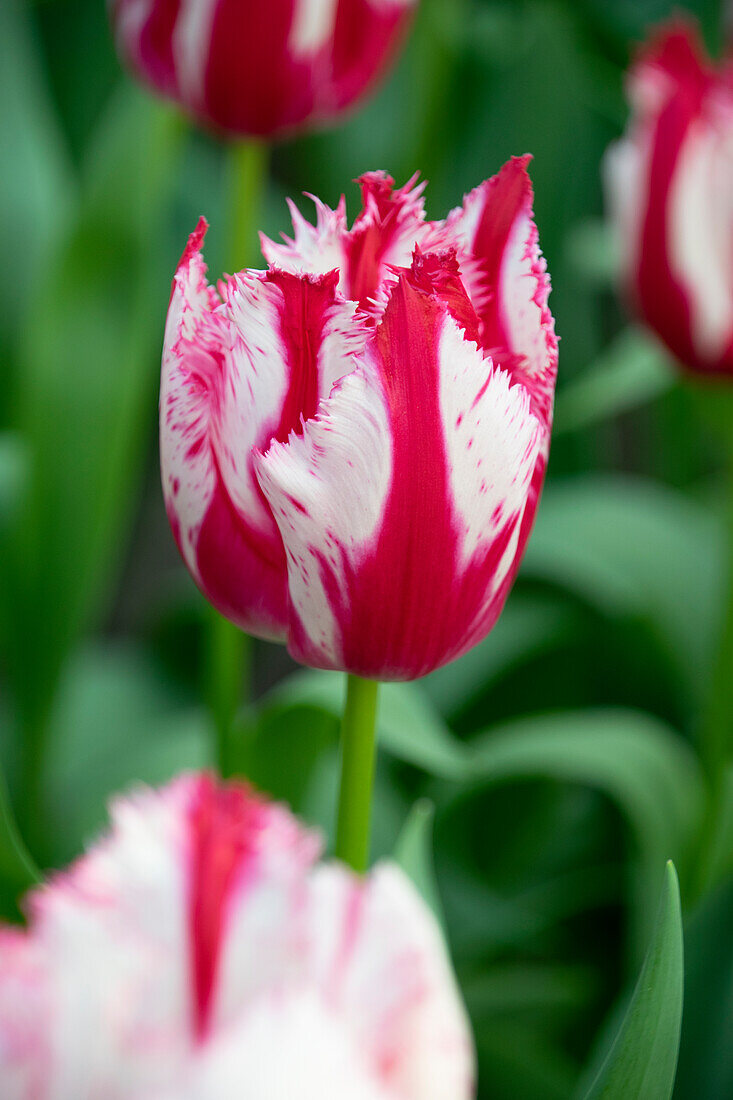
(199, 952)
(669, 185)
(353, 442)
(247, 67)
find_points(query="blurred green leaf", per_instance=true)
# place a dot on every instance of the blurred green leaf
(414, 853)
(37, 185)
(634, 548)
(591, 247)
(642, 1060)
(518, 1062)
(17, 870)
(529, 625)
(86, 395)
(527, 990)
(115, 723)
(13, 477)
(631, 371)
(407, 725)
(646, 769)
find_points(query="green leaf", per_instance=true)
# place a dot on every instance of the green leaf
(37, 185)
(17, 870)
(642, 1060)
(408, 727)
(530, 624)
(529, 990)
(88, 371)
(116, 722)
(632, 371)
(414, 853)
(644, 767)
(632, 549)
(706, 1053)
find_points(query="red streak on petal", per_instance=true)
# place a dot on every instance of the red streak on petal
(224, 823)
(304, 313)
(409, 605)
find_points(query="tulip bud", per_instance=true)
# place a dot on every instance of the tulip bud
(353, 442)
(199, 952)
(670, 194)
(248, 67)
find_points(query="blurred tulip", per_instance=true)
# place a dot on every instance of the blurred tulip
(199, 952)
(248, 67)
(353, 442)
(670, 190)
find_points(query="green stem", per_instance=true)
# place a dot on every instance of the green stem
(248, 163)
(229, 651)
(227, 671)
(358, 752)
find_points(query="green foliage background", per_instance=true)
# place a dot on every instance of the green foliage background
(537, 787)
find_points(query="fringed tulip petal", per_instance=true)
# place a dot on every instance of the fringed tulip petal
(200, 946)
(239, 371)
(244, 67)
(668, 184)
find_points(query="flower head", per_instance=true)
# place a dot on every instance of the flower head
(669, 187)
(200, 949)
(246, 67)
(353, 442)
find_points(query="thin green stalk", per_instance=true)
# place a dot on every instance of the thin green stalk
(248, 164)
(358, 753)
(227, 672)
(228, 660)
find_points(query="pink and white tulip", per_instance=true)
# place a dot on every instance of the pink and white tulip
(353, 442)
(248, 67)
(670, 194)
(199, 952)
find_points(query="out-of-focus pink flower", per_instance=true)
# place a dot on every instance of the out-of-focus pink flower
(670, 193)
(353, 442)
(248, 67)
(199, 952)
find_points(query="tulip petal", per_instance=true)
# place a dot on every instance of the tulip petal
(391, 223)
(201, 946)
(400, 507)
(668, 185)
(506, 276)
(236, 373)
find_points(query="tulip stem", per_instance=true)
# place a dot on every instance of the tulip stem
(248, 162)
(358, 752)
(227, 671)
(228, 651)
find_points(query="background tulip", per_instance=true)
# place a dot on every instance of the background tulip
(260, 69)
(199, 949)
(669, 186)
(353, 442)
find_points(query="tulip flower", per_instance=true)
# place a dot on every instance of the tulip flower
(244, 67)
(669, 186)
(353, 441)
(200, 951)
